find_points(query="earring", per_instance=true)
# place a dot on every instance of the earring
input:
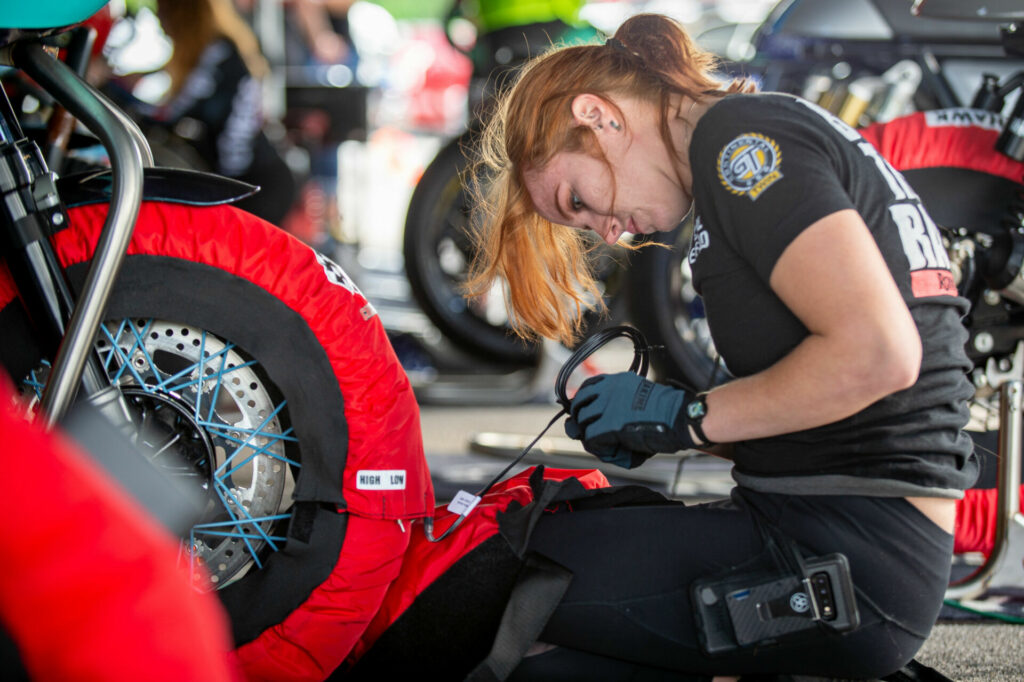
(614, 125)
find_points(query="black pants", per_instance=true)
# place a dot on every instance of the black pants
(627, 614)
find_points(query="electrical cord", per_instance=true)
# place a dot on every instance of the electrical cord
(589, 346)
(464, 502)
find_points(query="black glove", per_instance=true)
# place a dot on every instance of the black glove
(623, 418)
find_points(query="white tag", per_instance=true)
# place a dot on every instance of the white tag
(385, 479)
(463, 503)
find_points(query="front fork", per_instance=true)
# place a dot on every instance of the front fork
(32, 211)
(1004, 567)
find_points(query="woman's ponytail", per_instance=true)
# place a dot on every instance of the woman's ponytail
(664, 49)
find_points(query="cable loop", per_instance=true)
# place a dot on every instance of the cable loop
(579, 356)
(589, 347)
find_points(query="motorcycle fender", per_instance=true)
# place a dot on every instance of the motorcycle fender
(172, 185)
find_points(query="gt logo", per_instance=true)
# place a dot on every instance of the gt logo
(749, 164)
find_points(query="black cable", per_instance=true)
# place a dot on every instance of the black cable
(585, 350)
(428, 523)
(590, 345)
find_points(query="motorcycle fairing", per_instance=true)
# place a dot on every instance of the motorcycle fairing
(170, 185)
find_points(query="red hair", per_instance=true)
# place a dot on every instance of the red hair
(651, 59)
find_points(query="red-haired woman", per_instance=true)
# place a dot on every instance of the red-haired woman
(829, 297)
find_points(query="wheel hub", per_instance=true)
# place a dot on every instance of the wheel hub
(169, 435)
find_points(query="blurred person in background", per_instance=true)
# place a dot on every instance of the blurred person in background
(322, 33)
(215, 101)
(316, 38)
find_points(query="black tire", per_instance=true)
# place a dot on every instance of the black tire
(664, 306)
(270, 383)
(438, 249)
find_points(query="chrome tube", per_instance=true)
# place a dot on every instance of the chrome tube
(131, 126)
(1002, 563)
(126, 156)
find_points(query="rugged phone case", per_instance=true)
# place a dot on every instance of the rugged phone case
(760, 608)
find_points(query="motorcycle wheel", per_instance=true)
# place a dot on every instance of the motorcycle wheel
(664, 306)
(438, 249)
(232, 369)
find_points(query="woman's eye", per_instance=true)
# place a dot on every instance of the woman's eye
(575, 203)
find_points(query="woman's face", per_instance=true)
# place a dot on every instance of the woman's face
(577, 189)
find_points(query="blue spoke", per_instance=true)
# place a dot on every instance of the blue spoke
(221, 426)
(34, 382)
(112, 353)
(140, 343)
(202, 368)
(227, 507)
(223, 490)
(246, 517)
(253, 519)
(192, 553)
(125, 363)
(177, 387)
(192, 382)
(208, 528)
(256, 451)
(259, 429)
(238, 536)
(222, 352)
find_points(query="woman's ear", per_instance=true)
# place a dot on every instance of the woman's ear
(591, 111)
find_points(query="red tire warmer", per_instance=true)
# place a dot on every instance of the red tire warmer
(950, 138)
(964, 139)
(380, 410)
(381, 413)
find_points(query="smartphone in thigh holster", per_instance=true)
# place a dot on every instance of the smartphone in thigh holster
(747, 609)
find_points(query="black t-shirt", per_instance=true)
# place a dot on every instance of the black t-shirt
(766, 167)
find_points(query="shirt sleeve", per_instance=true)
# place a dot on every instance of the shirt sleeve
(763, 174)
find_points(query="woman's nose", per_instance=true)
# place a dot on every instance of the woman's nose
(611, 231)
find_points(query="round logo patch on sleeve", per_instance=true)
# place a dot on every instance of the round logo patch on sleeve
(749, 164)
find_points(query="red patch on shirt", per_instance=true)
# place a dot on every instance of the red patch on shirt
(932, 282)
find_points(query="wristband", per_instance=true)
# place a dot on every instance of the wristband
(694, 412)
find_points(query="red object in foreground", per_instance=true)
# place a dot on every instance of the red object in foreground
(92, 588)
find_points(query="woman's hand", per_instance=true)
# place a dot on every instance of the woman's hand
(624, 419)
